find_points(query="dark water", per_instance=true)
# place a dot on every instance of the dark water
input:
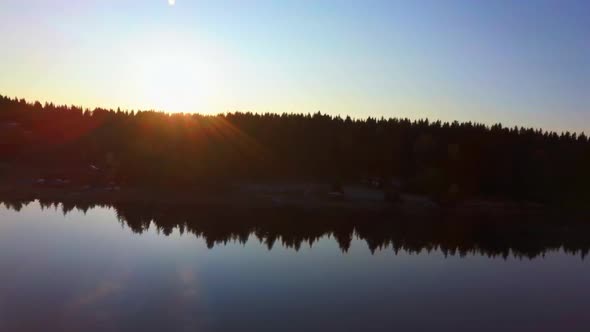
(92, 272)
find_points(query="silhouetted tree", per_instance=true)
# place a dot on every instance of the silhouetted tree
(149, 148)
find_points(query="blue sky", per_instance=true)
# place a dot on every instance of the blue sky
(516, 62)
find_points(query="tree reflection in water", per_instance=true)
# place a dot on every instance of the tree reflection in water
(453, 235)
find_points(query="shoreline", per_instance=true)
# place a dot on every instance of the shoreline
(317, 200)
(526, 234)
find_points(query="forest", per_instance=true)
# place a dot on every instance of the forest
(447, 161)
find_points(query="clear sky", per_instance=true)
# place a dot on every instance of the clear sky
(523, 62)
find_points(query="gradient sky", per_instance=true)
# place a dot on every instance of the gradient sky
(523, 62)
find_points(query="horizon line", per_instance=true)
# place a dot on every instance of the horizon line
(487, 125)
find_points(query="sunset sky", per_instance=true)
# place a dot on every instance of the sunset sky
(517, 62)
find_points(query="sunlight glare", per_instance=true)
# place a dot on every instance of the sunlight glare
(171, 2)
(173, 79)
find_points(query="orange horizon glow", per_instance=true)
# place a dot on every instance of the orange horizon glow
(395, 60)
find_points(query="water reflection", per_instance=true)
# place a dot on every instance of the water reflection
(86, 272)
(451, 235)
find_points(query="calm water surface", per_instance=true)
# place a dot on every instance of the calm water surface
(90, 272)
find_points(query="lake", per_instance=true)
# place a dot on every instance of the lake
(96, 269)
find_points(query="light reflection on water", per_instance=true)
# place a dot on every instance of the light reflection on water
(88, 271)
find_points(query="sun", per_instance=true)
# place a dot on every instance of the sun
(171, 2)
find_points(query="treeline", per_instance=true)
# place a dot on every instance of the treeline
(451, 235)
(444, 160)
